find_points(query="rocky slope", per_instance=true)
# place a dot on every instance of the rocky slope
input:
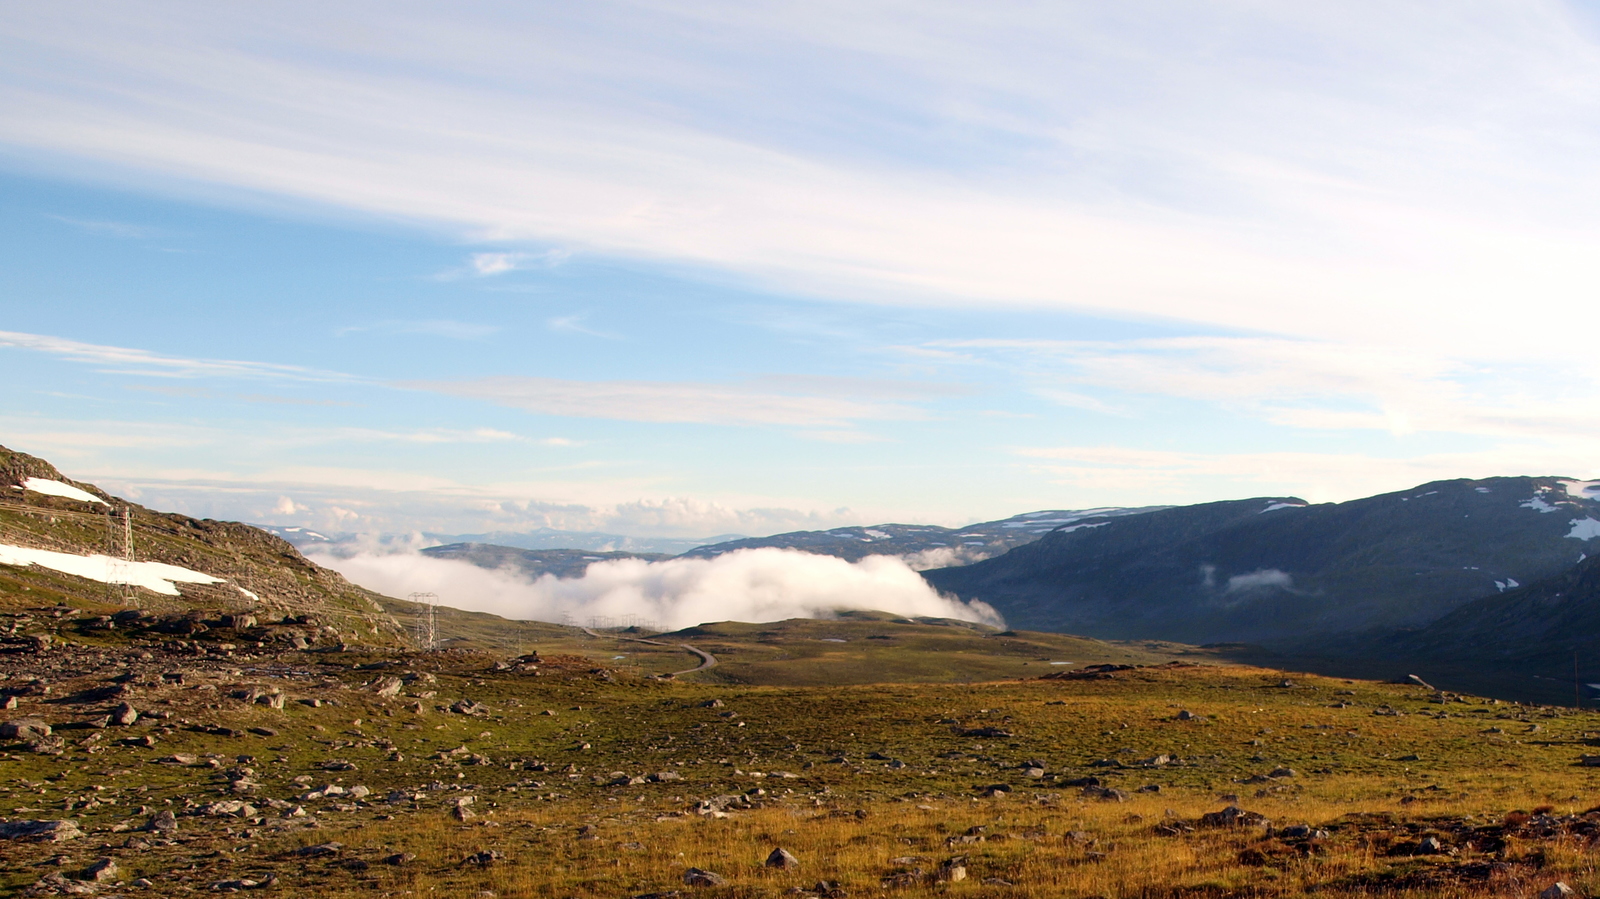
(241, 569)
(1279, 571)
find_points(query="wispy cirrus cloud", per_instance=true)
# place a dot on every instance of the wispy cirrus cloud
(672, 402)
(1323, 385)
(104, 228)
(1138, 475)
(124, 360)
(1155, 160)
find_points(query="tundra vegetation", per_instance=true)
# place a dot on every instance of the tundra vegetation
(201, 752)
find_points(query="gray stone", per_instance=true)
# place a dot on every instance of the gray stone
(102, 871)
(163, 821)
(782, 858)
(695, 877)
(1557, 890)
(124, 714)
(26, 730)
(39, 831)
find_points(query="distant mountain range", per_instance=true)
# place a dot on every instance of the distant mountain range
(929, 546)
(924, 546)
(1278, 571)
(538, 539)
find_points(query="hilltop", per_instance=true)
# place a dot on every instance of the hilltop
(183, 564)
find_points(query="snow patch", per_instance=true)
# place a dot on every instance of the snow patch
(1482, 489)
(1538, 504)
(1273, 507)
(56, 488)
(875, 534)
(1582, 489)
(154, 576)
(1584, 529)
(251, 596)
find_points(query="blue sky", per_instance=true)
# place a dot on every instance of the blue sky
(730, 268)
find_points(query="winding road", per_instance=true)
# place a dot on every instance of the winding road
(707, 660)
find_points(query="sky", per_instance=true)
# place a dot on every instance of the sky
(740, 268)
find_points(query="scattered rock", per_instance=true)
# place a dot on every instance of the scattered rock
(320, 850)
(782, 858)
(988, 732)
(1557, 890)
(102, 871)
(123, 714)
(163, 821)
(485, 858)
(1233, 816)
(697, 878)
(387, 687)
(399, 858)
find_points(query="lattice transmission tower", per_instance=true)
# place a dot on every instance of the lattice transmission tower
(427, 625)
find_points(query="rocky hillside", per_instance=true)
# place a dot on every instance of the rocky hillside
(1539, 626)
(1278, 571)
(63, 542)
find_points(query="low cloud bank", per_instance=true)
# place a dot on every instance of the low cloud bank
(748, 585)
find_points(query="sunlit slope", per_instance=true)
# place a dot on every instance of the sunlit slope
(242, 568)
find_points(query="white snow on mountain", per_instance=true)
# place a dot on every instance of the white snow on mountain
(56, 488)
(155, 576)
(1584, 529)
(1582, 489)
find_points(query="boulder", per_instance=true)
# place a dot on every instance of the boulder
(782, 858)
(1233, 816)
(103, 870)
(163, 821)
(39, 831)
(124, 714)
(26, 730)
(1557, 890)
(697, 878)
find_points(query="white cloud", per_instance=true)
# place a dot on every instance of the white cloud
(1308, 384)
(1136, 476)
(122, 360)
(496, 263)
(748, 585)
(1420, 175)
(1263, 579)
(666, 401)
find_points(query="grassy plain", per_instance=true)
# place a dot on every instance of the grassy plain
(874, 787)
